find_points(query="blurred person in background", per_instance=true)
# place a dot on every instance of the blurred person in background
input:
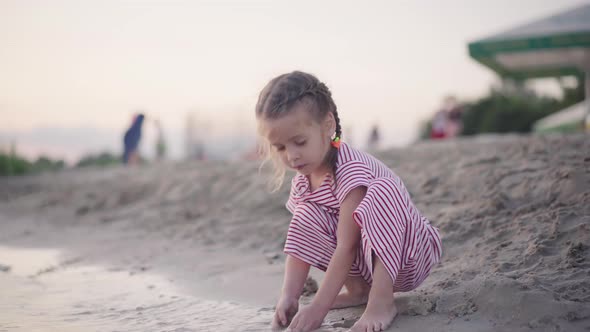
(131, 141)
(374, 138)
(454, 114)
(160, 141)
(439, 124)
(447, 122)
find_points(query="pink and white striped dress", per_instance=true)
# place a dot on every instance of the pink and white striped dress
(391, 226)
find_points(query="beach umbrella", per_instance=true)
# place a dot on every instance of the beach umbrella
(555, 46)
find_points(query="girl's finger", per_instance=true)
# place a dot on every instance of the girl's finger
(282, 317)
(276, 324)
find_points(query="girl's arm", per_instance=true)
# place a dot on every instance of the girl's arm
(349, 237)
(296, 272)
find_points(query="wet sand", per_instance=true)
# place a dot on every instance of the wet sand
(197, 246)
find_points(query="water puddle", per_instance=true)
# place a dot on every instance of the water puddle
(38, 294)
(27, 262)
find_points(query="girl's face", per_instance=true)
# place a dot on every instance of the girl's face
(300, 141)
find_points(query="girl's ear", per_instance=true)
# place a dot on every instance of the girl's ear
(329, 125)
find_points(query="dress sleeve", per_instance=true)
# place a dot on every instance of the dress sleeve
(351, 175)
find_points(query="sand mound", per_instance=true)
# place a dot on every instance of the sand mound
(515, 217)
(514, 213)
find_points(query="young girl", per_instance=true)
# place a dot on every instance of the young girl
(352, 216)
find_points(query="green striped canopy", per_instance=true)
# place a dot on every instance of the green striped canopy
(555, 46)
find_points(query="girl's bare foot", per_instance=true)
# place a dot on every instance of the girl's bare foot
(357, 293)
(381, 309)
(377, 318)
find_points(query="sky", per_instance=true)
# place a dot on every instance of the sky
(72, 73)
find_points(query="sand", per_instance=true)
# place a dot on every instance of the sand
(198, 246)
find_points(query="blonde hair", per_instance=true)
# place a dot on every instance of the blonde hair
(278, 98)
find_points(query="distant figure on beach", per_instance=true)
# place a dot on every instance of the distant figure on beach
(439, 125)
(195, 131)
(374, 138)
(160, 141)
(131, 141)
(454, 123)
(447, 122)
(352, 216)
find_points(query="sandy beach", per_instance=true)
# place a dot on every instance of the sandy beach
(197, 246)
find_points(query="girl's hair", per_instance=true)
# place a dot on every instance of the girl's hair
(279, 96)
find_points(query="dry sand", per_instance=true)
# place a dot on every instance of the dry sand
(197, 246)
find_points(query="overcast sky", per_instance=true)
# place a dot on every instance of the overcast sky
(73, 72)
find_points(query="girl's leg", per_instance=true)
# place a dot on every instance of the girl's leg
(381, 309)
(356, 293)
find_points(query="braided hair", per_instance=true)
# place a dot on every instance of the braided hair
(280, 95)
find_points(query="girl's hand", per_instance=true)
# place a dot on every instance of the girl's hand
(286, 309)
(308, 319)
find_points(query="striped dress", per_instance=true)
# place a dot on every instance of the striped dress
(391, 226)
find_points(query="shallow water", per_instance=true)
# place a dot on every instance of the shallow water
(27, 261)
(40, 293)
